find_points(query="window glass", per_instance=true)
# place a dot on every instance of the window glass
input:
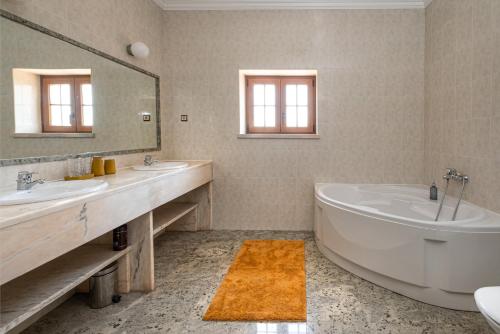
(296, 106)
(280, 104)
(264, 105)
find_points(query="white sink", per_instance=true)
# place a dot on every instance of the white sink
(51, 190)
(157, 166)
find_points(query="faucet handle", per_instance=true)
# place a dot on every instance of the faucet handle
(451, 171)
(25, 176)
(462, 177)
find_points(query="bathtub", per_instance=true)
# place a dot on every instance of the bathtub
(387, 235)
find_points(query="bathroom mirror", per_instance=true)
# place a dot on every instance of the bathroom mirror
(60, 98)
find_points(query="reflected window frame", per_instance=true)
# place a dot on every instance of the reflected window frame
(76, 117)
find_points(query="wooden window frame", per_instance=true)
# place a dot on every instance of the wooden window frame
(251, 81)
(79, 81)
(75, 82)
(280, 82)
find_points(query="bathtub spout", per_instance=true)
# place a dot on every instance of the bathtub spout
(464, 179)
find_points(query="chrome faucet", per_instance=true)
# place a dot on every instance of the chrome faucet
(25, 180)
(451, 173)
(148, 160)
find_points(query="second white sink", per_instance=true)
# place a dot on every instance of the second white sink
(51, 190)
(157, 166)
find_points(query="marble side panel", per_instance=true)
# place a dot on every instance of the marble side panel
(140, 234)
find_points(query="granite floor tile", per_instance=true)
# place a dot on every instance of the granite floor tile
(190, 266)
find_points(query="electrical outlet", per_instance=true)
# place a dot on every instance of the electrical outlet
(146, 118)
(184, 118)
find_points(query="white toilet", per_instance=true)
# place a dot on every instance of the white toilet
(488, 302)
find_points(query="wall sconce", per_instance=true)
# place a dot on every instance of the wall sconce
(138, 50)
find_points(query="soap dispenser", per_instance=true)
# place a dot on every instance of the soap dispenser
(433, 192)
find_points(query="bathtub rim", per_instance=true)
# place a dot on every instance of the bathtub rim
(445, 226)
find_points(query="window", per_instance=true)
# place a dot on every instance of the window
(67, 104)
(280, 104)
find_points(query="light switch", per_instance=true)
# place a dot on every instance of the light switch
(184, 118)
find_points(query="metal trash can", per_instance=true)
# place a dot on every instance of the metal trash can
(102, 286)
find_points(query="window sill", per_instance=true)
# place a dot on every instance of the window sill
(54, 135)
(277, 136)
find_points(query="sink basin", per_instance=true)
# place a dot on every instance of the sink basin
(51, 190)
(157, 166)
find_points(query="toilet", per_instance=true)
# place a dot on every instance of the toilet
(488, 302)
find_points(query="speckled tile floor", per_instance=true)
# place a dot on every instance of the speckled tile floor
(190, 266)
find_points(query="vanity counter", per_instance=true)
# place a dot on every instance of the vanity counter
(36, 233)
(123, 180)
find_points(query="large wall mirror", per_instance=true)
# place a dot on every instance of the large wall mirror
(60, 98)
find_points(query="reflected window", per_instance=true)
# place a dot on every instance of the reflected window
(299, 328)
(280, 104)
(267, 328)
(86, 104)
(67, 104)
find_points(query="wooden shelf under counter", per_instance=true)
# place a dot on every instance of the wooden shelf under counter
(28, 297)
(166, 215)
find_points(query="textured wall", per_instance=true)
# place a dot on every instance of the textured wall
(109, 26)
(370, 100)
(462, 104)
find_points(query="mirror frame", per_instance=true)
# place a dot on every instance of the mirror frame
(50, 158)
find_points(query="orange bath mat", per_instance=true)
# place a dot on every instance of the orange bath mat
(266, 282)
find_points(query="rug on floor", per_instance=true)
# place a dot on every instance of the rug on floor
(266, 282)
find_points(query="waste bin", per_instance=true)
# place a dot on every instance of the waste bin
(102, 287)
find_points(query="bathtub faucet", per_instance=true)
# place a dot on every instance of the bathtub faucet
(461, 178)
(451, 173)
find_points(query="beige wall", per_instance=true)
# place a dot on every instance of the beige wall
(370, 100)
(463, 95)
(371, 95)
(109, 26)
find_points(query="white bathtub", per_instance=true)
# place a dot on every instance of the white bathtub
(386, 234)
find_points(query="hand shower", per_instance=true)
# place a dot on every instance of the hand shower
(464, 179)
(450, 173)
(442, 198)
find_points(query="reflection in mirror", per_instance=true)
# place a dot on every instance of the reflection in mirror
(60, 98)
(51, 100)
(278, 328)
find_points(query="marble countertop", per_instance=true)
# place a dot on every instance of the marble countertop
(124, 179)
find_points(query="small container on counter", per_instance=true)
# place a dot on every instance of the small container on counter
(120, 238)
(97, 166)
(110, 166)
